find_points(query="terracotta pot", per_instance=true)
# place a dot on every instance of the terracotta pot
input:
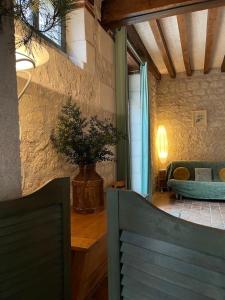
(87, 190)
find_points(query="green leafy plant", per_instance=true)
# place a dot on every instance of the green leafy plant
(54, 13)
(27, 12)
(84, 141)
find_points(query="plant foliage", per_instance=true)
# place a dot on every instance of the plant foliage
(27, 12)
(84, 141)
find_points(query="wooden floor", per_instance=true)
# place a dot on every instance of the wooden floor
(162, 200)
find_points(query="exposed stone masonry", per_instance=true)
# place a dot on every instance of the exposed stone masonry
(153, 83)
(177, 99)
(53, 84)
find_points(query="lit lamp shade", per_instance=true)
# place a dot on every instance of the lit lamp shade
(26, 60)
(162, 144)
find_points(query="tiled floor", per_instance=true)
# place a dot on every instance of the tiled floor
(208, 213)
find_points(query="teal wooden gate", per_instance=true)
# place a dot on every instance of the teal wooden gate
(155, 256)
(35, 245)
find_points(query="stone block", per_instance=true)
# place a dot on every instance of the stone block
(174, 110)
(106, 46)
(53, 85)
(91, 26)
(107, 98)
(76, 26)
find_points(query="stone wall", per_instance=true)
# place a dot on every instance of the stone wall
(93, 88)
(53, 84)
(10, 179)
(153, 84)
(177, 99)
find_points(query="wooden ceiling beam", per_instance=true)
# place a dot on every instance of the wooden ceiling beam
(116, 13)
(161, 43)
(137, 44)
(223, 65)
(184, 40)
(212, 29)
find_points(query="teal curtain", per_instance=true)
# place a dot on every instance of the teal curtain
(123, 151)
(145, 128)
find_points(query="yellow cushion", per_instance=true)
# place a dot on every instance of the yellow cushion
(222, 174)
(181, 173)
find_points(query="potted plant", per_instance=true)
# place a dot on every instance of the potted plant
(85, 142)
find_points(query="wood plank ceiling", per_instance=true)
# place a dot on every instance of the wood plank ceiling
(179, 35)
(138, 45)
(185, 43)
(126, 12)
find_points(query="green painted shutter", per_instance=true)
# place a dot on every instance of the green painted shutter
(35, 245)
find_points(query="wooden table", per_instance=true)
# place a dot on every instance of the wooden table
(89, 253)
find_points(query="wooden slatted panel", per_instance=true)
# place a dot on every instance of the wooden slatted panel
(142, 291)
(170, 269)
(188, 255)
(161, 256)
(178, 264)
(33, 240)
(23, 245)
(139, 216)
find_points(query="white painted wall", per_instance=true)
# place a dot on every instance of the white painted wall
(135, 131)
(85, 38)
(75, 37)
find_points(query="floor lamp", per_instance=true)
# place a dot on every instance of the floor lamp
(29, 59)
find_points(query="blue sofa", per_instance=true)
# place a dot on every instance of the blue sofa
(213, 190)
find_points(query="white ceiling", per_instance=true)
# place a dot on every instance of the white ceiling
(197, 23)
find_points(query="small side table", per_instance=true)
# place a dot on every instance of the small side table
(162, 182)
